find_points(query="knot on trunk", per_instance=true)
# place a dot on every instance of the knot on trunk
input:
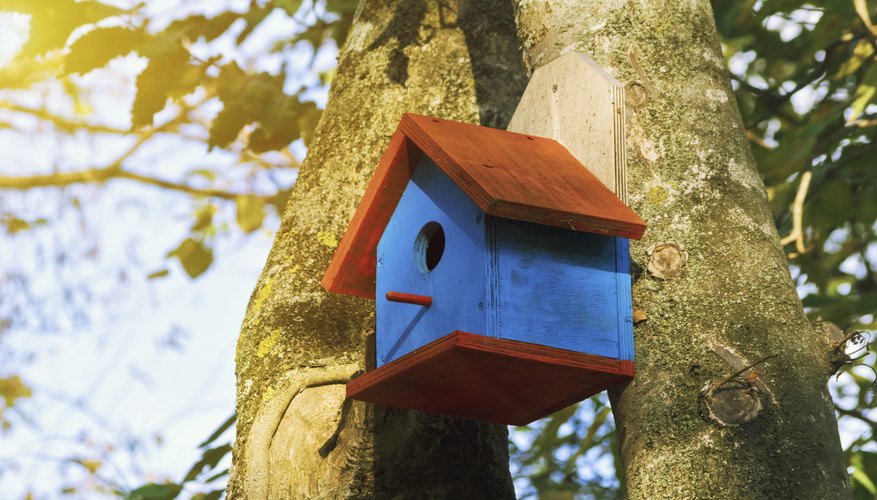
(666, 260)
(733, 403)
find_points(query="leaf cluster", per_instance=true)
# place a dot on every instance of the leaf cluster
(805, 75)
(203, 471)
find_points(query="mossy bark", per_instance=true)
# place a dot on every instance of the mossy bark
(296, 435)
(693, 179)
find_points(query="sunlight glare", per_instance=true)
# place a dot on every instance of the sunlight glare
(14, 28)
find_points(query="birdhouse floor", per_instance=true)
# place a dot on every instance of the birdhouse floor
(485, 378)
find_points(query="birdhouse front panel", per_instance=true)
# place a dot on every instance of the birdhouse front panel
(560, 288)
(433, 246)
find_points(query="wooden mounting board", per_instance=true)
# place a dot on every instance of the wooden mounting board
(574, 101)
(483, 378)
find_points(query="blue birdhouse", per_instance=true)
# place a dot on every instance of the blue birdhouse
(501, 273)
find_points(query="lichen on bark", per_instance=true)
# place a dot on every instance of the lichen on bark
(693, 179)
(456, 60)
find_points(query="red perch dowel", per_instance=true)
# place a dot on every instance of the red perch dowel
(410, 298)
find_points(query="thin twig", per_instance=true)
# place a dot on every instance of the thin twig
(62, 123)
(730, 377)
(797, 234)
(102, 175)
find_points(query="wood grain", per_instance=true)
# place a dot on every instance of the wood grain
(483, 378)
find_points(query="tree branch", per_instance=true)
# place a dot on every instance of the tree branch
(115, 170)
(102, 175)
(62, 123)
(797, 234)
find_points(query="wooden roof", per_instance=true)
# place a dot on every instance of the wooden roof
(509, 175)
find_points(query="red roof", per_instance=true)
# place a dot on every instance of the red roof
(509, 175)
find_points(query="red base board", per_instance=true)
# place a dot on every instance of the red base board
(484, 378)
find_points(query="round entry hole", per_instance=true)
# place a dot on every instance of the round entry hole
(429, 246)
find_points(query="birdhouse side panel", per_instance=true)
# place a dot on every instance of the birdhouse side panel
(625, 299)
(557, 288)
(434, 246)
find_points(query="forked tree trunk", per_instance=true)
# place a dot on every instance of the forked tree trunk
(770, 435)
(298, 345)
(771, 432)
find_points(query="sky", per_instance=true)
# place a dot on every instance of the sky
(127, 371)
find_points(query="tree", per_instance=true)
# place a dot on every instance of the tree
(804, 78)
(299, 345)
(730, 395)
(715, 285)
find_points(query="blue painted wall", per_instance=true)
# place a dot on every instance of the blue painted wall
(457, 284)
(559, 288)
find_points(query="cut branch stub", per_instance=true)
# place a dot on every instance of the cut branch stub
(637, 95)
(666, 260)
(733, 403)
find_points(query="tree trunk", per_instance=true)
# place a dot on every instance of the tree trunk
(686, 431)
(297, 437)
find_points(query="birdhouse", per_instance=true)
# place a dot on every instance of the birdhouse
(500, 269)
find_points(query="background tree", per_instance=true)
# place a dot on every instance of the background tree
(802, 73)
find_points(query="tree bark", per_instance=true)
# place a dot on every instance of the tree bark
(687, 430)
(297, 437)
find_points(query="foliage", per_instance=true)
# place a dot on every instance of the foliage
(805, 79)
(804, 75)
(201, 73)
(203, 472)
(568, 454)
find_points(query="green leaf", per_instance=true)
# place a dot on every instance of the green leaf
(250, 213)
(861, 53)
(254, 97)
(198, 26)
(14, 224)
(254, 17)
(865, 93)
(203, 217)
(218, 432)
(792, 155)
(863, 467)
(277, 128)
(161, 273)
(216, 476)
(52, 21)
(97, 47)
(13, 389)
(861, 7)
(213, 495)
(194, 256)
(169, 76)
(155, 491)
(228, 125)
(230, 82)
(832, 205)
(209, 459)
(290, 6)
(206, 173)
